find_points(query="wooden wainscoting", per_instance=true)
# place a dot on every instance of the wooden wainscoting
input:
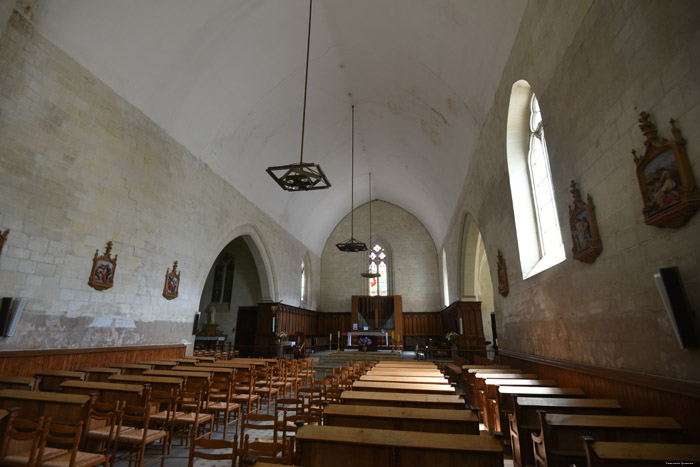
(28, 362)
(639, 394)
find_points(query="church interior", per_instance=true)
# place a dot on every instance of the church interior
(377, 193)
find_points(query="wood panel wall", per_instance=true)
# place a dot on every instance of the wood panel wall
(28, 362)
(422, 324)
(639, 394)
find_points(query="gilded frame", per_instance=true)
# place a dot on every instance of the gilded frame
(171, 288)
(502, 275)
(586, 245)
(103, 269)
(665, 177)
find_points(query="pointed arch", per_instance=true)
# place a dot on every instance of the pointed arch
(389, 262)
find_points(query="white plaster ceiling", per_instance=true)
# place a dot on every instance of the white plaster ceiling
(225, 78)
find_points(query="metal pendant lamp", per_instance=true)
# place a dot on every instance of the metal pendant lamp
(370, 275)
(302, 176)
(352, 245)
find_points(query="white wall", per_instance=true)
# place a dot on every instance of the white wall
(415, 265)
(594, 65)
(80, 166)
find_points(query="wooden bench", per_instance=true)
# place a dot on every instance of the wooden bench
(158, 383)
(453, 372)
(205, 369)
(159, 364)
(68, 409)
(399, 372)
(107, 392)
(496, 407)
(98, 373)
(405, 379)
(396, 399)
(179, 374)
(323, 446)
(131, 368)
(470, 381)
(379, 386)
(50, 380)
(559, 441)
(525, 420)
(463, 422)
(613, 454)
(477, 383)
(24, 383)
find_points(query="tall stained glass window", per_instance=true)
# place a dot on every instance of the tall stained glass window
(378, 260)
(303, 281)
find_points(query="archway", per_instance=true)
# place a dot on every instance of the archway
(476, 275)
(238, 280)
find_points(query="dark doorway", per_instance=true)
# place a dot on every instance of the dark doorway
(246, 327)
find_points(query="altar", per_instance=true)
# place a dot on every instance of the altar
(376, 333)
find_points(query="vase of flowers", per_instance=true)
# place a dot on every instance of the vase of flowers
(281, 336)
(452, 338)
(363, 342)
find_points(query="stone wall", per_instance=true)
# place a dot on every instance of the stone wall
(593, 66)
(414, 260)
(80, 166)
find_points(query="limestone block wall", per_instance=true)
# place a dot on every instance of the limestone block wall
(80, 166)
(591, 63)
(415, 265)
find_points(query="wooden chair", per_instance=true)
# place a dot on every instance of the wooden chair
(263, 422)
(69, 436)
(280, 381)
(271, 453)
(291, 423)
(104, 421)
(265, 388)
(289, 406)
(162, 407)
(244, 392)
(138, 436)
(23, 441)
(222, 402)
(211, 449)
(312, 402)
(188, 417)
(306, 372)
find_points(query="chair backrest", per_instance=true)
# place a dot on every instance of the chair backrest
(65, 437)
(214, 449)
(254, 421)
(291, 423)
(263, 451)
(23, 440)
(289, 406)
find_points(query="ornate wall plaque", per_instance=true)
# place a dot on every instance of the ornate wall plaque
(3, 237)
(584, 228)
(172, 283)
(502, 275)
(103, 267)
(665, 177)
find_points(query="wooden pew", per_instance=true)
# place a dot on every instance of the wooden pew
(470, 381)
(559, 441)
(409, 363)
(322, 446)
(497, 407)
(463, 422)
(158, 383)
(178, 374)
(405, 379)
(68, 409)
(107, 392)
(396, 399)
(24, 383)
(131, 368)
(204, 369)
(525, 420)
(400, 372)
(477, 383)
(379, 386)
(159, 364)
(99, 374)
(50, 380)
(613, 454)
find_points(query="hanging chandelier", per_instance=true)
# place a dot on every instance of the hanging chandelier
(352, 245)
(370, 275)
(302, 176)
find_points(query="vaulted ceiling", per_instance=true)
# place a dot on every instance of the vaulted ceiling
(225, 78)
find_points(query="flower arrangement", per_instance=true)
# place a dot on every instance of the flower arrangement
(364, 341)
(452, 338)
(281, 336)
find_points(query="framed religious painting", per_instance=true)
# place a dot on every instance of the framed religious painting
(502, 275)
(586, 245)
(103, 267)
(665, 177)
(172, 283)
(3, 237)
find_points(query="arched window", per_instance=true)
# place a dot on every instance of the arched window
(445, 286)
(303, 282)
(378, 262)
(536, 222)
